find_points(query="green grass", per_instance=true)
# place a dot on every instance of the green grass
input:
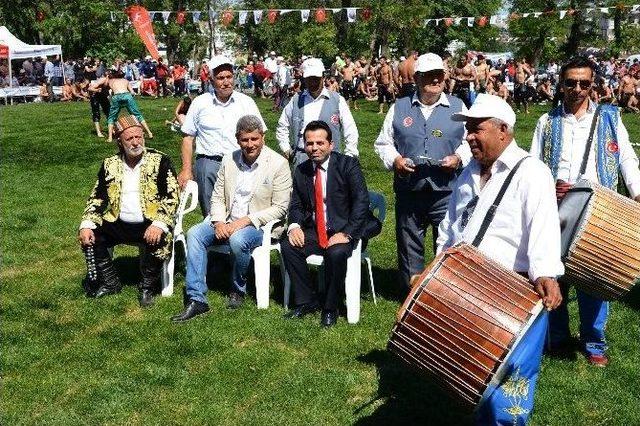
(70, 360)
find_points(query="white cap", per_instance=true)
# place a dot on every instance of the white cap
(488, 106)
(217, 61)
(402, 58)
(428, 62)
(304, 57)
(279, 58)
(272, 53)
(312, 67)
(148, 57)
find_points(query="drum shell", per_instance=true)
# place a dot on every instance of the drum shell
(601, 240)
(461, 321)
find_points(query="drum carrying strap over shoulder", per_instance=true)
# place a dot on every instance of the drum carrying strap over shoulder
(492, 210)
(587, 148)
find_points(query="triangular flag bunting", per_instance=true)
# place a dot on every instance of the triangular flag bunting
(257, 16)
(165, 17)
(242, 17)
(304, 15)
(470, 22)
(562, 14)
(196, 16)
(351, 14)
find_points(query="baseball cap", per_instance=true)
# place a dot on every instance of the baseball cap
(312, 67)
(124, 122)
(488, 106)
(218, 61)
(428, 62)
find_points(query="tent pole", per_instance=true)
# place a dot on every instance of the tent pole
(10, 73)
(64, 78)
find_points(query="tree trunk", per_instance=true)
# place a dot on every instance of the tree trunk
(575, 33)
(342, 27)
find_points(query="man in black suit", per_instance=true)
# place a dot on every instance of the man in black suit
(328, 212)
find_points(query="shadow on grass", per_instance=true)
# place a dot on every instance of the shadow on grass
(633, 298)
(410, 397)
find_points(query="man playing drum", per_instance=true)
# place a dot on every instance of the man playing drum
(560, 140)
(524, 236)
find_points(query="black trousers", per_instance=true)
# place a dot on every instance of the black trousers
(110, 234)
(335, 270)
(97, 102)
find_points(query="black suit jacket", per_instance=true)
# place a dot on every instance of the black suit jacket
(347, 197)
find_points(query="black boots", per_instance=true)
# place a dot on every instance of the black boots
(151, 268)
(102, 278)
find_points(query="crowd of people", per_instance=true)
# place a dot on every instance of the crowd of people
(447, 139)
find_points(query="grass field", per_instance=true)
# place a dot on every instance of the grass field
(71, 360)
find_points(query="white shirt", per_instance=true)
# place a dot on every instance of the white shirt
(575, 132)
(271, 64)
(213, 123)
(312, 108)
(244, 188)
(323, 174)
(130, 206)
(282, 76)
(385, 147)
(524, 235)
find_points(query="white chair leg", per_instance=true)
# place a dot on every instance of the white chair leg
(167, 276)
(262, 275)
(352, 286)
(371, 286)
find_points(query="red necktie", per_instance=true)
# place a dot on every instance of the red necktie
(321, 227)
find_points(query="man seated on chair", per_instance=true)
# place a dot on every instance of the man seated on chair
(133, 201)
(327, 216)
(252, 188)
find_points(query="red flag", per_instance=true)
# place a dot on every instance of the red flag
(482, 21)
(272, 15)
(4, 51)
(448, 21)
(366, 14)
(40, 16)
(181, 17)
(141, 21)
(321, 16)
(227, 17)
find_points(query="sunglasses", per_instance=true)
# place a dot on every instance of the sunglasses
(570, 83)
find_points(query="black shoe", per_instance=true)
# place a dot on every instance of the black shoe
(328, 318)
(302, 310)
(193, 309)
(235, 300)
(106, 291)
(145, 298)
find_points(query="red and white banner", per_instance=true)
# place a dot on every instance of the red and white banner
(4, 51)
(141, 21)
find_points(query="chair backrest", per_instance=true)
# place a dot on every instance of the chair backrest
(378, 202)
(190, 194)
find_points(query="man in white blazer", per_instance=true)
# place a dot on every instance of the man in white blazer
(253, 187)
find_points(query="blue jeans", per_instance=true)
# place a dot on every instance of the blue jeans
(593, 318)
(202, 236)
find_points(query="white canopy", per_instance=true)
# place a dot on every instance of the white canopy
(21, 50)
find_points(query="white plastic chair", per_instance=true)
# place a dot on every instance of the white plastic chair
(354, 272)
(377, 203)
(261, 262)
(189, 194)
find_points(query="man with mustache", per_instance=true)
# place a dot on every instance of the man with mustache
(560, 140)
(133, 202)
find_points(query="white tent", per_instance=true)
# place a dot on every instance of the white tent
(21, 50)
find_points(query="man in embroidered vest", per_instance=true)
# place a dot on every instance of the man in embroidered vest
(560, 141)
(133, 201)
(524, 236)
(328, 214)
(425, 150)
(315, 103)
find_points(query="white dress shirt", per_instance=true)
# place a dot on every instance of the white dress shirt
(323, 173)
(524, 235)
(130, 204)
(312, 108)
(385, 147)
(213, 123)
(244, 189)
(271, 64)
(575, 132)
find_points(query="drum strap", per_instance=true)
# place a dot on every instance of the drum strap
(492, 210)
(587, 149)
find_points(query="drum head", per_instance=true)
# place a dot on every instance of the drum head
(573, 212)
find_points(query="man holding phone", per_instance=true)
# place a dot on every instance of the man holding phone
(425, 149)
